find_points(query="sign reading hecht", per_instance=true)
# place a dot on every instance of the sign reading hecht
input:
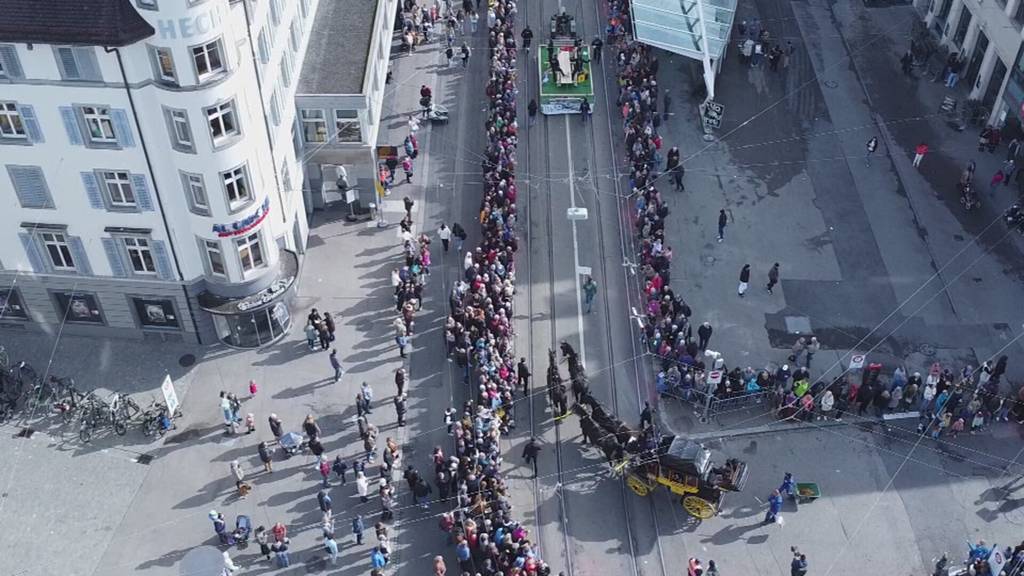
(190, 26)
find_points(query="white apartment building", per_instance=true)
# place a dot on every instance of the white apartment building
(149, 167)
(987, 34)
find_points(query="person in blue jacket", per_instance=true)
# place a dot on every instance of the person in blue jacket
(774, 507)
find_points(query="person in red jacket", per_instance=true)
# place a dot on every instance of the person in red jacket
(919, 153)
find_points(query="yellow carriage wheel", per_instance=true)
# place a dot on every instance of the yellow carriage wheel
(698, 507)
(637, 485)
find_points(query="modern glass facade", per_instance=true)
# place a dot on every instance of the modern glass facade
(674, 25)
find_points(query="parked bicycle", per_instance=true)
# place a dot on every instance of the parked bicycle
(96, 412)
(156, 420)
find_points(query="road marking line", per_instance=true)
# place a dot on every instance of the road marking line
(575, 246)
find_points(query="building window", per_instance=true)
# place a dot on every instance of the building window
(250, 252)
(275, 11)
(78, 63)
(119, 189)
(100, 126)
(10, 65)
(30, 186)
(1018, 14)
(181, 131)
(208, 60)
(215, 258)
(79, 307)
(223, 123)
(11, 125)
(156, 313)
(286, 177)
(263, 45)
(236, 187)
(195, 191)
(164, 62)
(139, 254)
(56, 245)
(293, 35)
(11, 306)
(286, 73)
(314, 126)
(275, 109)
(346, 124)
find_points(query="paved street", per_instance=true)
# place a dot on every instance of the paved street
(877, 259)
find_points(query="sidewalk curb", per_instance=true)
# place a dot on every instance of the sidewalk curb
(779, 427)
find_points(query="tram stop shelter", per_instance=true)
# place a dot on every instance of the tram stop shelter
(697, 29)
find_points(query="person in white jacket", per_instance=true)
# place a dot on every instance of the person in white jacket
(229, 564)
(827, 403)
(362, 486)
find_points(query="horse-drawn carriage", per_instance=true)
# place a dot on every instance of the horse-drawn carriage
(648, 459)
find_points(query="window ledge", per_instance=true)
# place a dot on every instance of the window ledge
(227, 142)
(16, 141)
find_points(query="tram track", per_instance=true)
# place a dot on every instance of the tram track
(535, 190)
(623, 228)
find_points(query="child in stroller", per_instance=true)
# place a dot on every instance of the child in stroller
(243, 527)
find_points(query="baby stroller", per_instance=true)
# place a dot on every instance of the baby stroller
(243, 527)
(292, 443)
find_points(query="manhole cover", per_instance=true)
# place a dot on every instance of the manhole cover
(709, 260)
(25, 433)
(144, 459)
(926, 349)
(184, 437)
(187, 360)
(831, 83)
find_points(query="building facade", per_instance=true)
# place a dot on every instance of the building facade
(987, 35)
(340, 97)
(150, 172)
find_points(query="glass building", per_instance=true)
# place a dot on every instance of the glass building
(675, 25)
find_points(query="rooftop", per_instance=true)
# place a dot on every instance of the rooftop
(81, 22)
(339, 47)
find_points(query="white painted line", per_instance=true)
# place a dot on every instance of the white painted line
(575, 246)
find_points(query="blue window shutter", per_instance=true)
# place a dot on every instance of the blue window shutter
(122, 128)
(9, 58)
(30, 186)
(92, 190)
(67, 114)
(88, 65)
(35, 258)
(28, 114)
(68, 63)
(114, 256)
(163, 260)
(80, 256)
(141, 186)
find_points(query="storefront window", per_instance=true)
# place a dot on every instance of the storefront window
(156, 313)
(77, 307)
(11, 306)
(254, 329)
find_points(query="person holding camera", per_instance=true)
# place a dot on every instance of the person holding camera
(798, 567)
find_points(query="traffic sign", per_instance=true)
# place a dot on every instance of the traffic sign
(715, 377)
(712, 114)
(856, 361)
